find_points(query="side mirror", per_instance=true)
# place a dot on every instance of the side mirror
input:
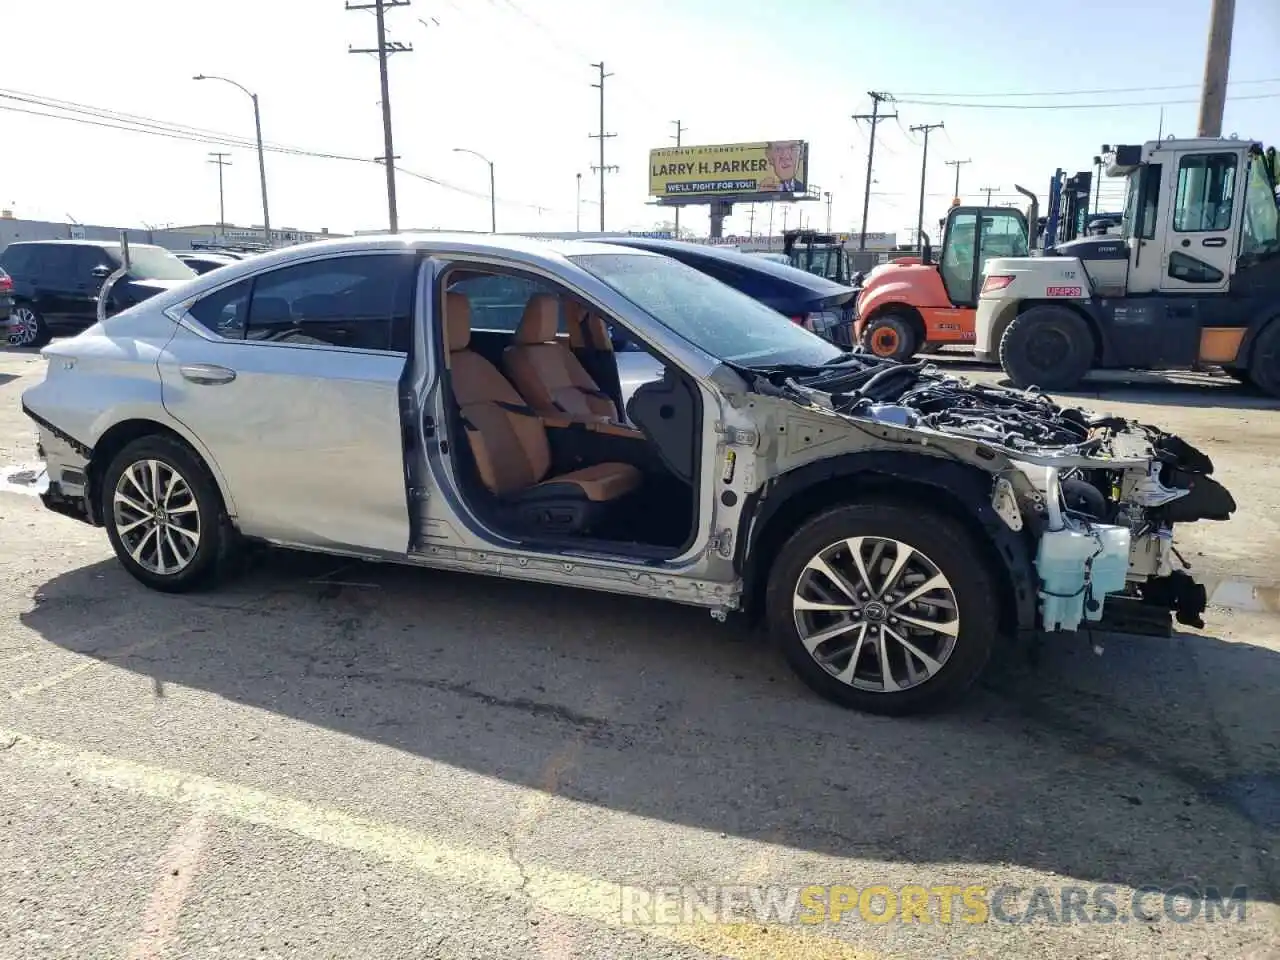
(102, 271)
(926, 251)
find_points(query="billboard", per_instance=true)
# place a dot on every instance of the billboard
(778, 167)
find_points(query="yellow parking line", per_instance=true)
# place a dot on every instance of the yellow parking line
(22, 693)
(177, 869)
(563, 893)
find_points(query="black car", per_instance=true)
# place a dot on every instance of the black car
(816, 303)
(202, 262)
(56, 284)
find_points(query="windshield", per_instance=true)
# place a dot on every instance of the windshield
(714, 317)
(155, 263)
(829, 262)
(1261, 216)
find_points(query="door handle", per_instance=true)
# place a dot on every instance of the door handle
(1214, 242)
(206, 373)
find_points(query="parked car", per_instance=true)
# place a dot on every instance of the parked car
(56, 284)
(202, 262)
(6, 299)
(814, 302)
(359, 397)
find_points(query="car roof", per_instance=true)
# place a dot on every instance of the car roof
(691, 252)
(108, 244)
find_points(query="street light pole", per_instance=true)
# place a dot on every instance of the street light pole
(493, 201)
(262, 162)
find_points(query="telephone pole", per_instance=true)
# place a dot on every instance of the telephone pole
(680, 128)
(827, 195)
(384, 49)
(875, 116)
(926, 129)
(957, 164)
(220, 160)
(602, 137)
(1217, 65)
(988, 191)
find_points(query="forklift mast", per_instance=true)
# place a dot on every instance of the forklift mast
(1068, 211)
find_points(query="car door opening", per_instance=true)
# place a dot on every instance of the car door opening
(544, 448)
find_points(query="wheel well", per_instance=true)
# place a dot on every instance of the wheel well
(111, 443)
(908, 313)
(1090, 321)
(870, 487)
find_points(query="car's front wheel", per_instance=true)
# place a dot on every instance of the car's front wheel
(27, 328)
(883, 609)
(164, 515)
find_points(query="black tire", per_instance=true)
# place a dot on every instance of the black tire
(27, 328)
(1264, 364)
(1048, 347)
(216, 537)
(950, 550)
(892, 336)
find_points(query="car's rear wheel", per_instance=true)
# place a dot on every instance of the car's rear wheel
(1049, 347)
(892, 336)
(164, 515)
(883, 609)
(27, 328)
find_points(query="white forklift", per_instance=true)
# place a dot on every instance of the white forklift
(1191, 280)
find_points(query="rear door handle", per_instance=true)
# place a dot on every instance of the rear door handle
(1214, 242)
(206, 373)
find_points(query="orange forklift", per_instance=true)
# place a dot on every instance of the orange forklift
(920, 303)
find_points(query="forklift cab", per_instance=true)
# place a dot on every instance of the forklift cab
(971, 237)
(1194, 211)
(822, 254)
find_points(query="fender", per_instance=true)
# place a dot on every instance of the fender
(778, 508)
(1269, 314)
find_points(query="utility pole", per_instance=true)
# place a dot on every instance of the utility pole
(875, 116)
(680, 128)
(577, 208)
(988, 191)
(602, 137)
(827, 194)
(770, 224)
(220, 160)
(926, 129)
(751, 222)
(384, 49)
(1217, 65)
(957, 164)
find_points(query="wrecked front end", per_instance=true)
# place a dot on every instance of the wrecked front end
(1095, 499)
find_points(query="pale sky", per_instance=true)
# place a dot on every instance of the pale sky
(512, 79)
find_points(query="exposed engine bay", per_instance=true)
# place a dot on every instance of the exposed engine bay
(1110, 489)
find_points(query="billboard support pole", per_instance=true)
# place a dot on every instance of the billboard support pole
(875, 117)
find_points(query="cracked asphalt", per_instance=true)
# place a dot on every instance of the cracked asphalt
(332, 759)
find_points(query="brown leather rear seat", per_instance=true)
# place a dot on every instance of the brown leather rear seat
(546, 372)
(509, 442)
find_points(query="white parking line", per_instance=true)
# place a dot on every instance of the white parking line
(562, 893)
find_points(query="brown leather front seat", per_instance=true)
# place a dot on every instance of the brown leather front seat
(546, 372)
(509, 442)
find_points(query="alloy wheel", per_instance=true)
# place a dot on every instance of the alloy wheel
(156, 517)
(876, 613)
(24, 327)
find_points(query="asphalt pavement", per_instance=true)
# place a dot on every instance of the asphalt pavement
(334, 759)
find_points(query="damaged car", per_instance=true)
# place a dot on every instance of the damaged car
(359, 397)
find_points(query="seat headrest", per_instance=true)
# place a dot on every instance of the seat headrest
(457, 319)
(270, 310)
(540, 321)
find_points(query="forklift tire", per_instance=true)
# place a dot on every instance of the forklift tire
(1264, 365)
(891, 336)
(1047, 347)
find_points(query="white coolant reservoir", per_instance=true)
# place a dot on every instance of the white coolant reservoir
(1078, 566)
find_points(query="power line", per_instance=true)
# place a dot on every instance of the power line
(1080, 93)
(1070, 106)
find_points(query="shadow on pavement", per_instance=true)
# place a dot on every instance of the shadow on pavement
(1112, 768)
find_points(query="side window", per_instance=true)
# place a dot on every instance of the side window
(363, 301)
(86, 258)
(498, 300)
(1149, 201)
(57, 263)
(1003, 235)
(1205, 190)
(224, 311)
(957, 257)
(17, 261)
(1190, 270)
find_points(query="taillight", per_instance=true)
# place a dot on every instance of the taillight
(6, 284)
(997, 281)
(798, 321)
